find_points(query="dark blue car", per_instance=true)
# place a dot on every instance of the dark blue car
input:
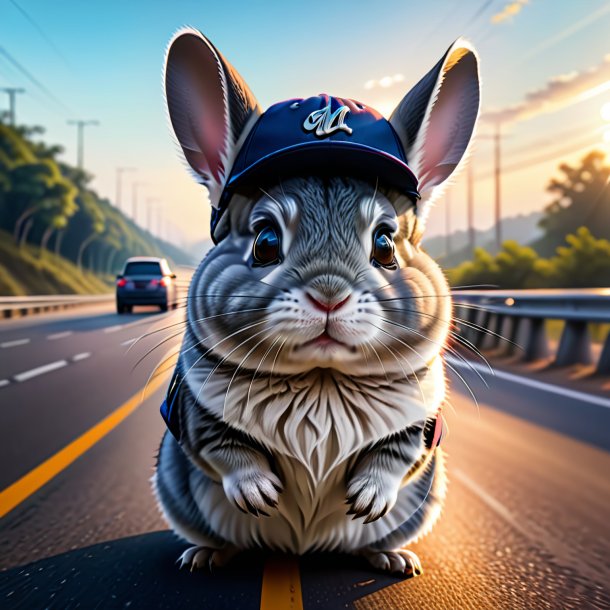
(145, 280)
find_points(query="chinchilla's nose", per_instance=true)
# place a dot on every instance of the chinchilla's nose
(325, 306)
(328, 293)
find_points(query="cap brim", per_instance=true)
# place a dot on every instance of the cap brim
(329, 158)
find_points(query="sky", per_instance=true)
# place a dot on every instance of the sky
(545, 67)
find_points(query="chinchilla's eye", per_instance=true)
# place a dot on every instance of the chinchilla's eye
(266, 249)
(383, 248)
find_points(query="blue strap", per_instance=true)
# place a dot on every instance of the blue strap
(168, 412)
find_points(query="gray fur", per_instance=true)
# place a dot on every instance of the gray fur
(284, 439)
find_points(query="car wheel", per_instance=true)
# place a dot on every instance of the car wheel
(163, 307)
(120, 308)
(128, 308)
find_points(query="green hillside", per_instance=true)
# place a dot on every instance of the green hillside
(30, 271)
(58, 234)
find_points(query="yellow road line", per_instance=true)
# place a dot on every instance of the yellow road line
(22, 489)
(281, 585)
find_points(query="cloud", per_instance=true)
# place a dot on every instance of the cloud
(559, 91)
(385, 81)
(510, 10)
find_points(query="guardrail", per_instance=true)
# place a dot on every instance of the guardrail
(519, 316)
(22, 306)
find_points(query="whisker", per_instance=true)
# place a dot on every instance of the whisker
(276, 356)
(257, 369)
(439, 345)
(238, 367)
(224, 359)
(186, 321)
(152, 349)
(198, 360)
(421, 391)
(378, 358)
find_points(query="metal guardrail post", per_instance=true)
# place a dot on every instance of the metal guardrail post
(537, 345)
(498, 328)
(574, 345)
(603, 366)
(481, 336)
(514, 326)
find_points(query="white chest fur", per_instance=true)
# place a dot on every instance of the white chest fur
(313, 424)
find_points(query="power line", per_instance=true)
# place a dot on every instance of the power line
(539, 160)
(551, 41)
(32, 78)
(42, 33)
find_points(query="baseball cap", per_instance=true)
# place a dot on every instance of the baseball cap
(317, 136)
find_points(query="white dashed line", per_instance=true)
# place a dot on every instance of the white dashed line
(4, 382)
(113, 329)
(40, 370)
(14, 343)
(66, 333)
(129, 342)
(534, 383)
(82, 356)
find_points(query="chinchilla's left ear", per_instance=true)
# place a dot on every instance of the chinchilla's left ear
(209, 105)
(436, 119)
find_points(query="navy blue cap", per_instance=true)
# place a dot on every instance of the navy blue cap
(319, 135)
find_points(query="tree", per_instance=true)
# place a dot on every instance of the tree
(582, 198)
(583, 263)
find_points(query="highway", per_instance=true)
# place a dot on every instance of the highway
(526, 524)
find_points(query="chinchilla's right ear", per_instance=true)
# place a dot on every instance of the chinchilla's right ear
(436, 119)
(209, 105)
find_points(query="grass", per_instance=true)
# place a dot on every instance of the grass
(28, 271)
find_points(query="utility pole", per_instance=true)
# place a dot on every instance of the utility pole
(149, 211)
(470, 205)
(160, 223)
(134, 199)
(12, 94)
(119, 183)
(498, 205)
(80, 129)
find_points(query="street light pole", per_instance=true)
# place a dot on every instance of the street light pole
(80, 139)
(134, 199)
(119, 183)
(149, 210)
(470, 204)
(12, 94)
(497, 171)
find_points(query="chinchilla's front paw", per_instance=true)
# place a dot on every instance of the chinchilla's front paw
(371, 495)
(253, 491)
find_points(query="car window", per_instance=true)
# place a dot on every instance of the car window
(142, 268)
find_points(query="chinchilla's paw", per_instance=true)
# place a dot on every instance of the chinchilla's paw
(402, 561)
(253, 491)
(371, 495)
(198, 557)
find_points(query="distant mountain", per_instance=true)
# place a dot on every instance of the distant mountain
(522, 228)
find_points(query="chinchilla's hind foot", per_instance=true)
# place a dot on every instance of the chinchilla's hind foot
(198, 557)
(402, 561)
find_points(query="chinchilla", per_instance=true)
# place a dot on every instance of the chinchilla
(305, 406)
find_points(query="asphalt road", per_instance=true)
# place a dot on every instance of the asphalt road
(525, 526)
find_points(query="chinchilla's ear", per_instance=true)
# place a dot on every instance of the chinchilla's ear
(209, 105)
(436, 119)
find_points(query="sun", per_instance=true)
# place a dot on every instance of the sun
(605, 111)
